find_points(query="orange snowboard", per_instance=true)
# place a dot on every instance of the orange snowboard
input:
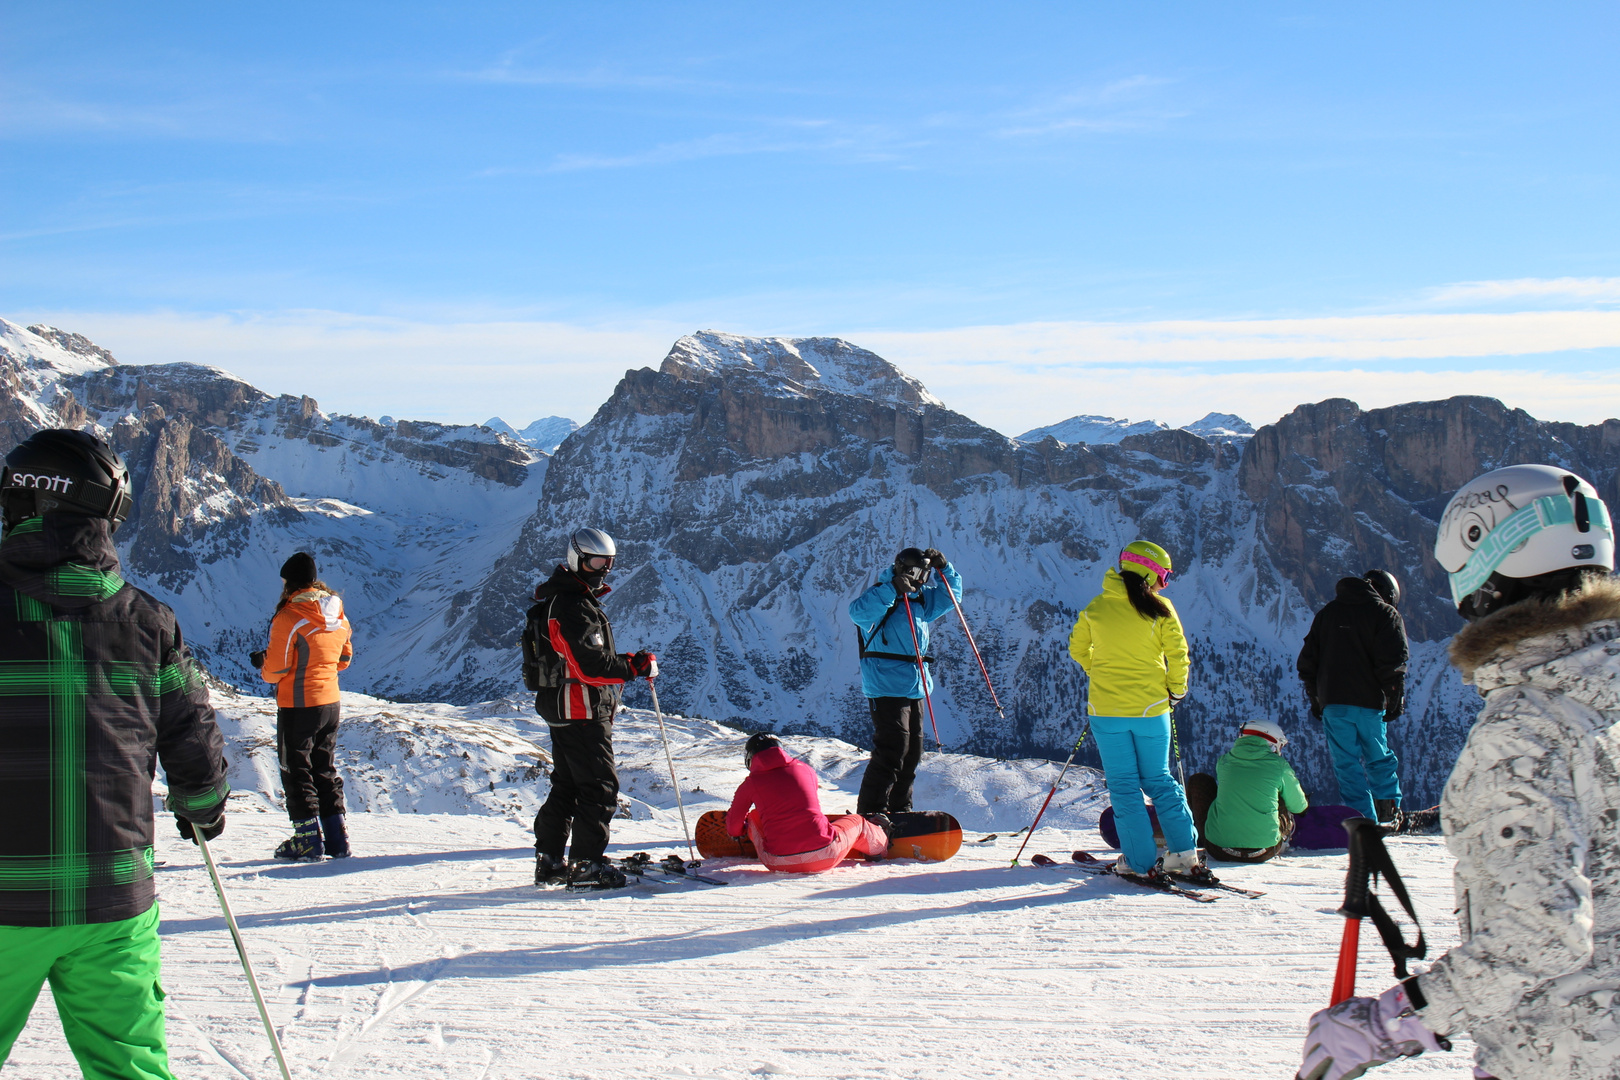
(930, 835)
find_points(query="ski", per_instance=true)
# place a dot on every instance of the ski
(1091, 864)
(986, 839)
(1250, 894)
(671, 868)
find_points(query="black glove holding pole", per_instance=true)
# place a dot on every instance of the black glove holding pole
(210, 822)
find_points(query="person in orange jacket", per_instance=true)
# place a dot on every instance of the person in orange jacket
(309, 645)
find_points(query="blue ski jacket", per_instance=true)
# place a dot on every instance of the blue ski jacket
(880, 619)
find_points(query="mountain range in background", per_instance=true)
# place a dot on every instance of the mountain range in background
(1105, 429)
(755, 487)
(544, 435)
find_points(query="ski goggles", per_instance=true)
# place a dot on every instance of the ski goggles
(594, 563)
(1525, 522)
(1160, 572)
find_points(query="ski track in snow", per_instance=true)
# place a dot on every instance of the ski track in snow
(429, 954)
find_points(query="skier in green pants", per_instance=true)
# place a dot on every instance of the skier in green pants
(96, 685)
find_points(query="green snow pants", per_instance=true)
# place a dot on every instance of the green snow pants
(104, 977)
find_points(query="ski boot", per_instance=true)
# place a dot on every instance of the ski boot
(595, 874)
(335, 837)
(1122, 867)
(304, 845)
(1188, 866)
(550, 870)
(1389, 814)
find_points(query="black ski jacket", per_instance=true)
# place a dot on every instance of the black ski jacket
(568, 627)
(96, 686)
(1355, 653)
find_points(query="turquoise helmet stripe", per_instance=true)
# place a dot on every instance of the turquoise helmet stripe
(1520, 526)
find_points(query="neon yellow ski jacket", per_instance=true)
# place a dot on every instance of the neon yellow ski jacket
(1134, 663)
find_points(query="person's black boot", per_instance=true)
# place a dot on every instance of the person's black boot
(595, 874)
(550, 870)
(1388, 811)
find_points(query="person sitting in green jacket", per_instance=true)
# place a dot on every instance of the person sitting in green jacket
(1245, 813)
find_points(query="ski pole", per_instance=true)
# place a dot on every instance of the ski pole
(685, 832)
(1357, 888)
(241, 950)
(922, 672)
(1175, 743)
(1083, 729)
(973, 645)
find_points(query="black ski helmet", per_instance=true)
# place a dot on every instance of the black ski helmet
(763, 740)
(60, 469)
(1385, 585)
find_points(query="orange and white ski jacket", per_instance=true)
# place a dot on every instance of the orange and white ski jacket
(309, 645)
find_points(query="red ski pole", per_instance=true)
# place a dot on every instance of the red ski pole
(950, 592)
(1053, 792)
(1357, 889)
(922, 672)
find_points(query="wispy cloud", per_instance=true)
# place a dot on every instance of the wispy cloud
(1594, 289)
(1119, 105)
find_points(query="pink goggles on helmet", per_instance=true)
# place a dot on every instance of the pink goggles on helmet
(1160, 572)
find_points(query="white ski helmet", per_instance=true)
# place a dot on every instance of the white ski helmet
(1521, 522)
(1269, 730)
(590, 544)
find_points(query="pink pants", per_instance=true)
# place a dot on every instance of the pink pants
(854, 836)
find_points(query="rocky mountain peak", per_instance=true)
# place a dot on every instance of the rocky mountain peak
(795, 367)
(77, 344)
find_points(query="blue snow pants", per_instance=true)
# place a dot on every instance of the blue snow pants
(1358, 735)
(1136, 759)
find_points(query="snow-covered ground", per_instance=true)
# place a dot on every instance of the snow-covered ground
(429, 954)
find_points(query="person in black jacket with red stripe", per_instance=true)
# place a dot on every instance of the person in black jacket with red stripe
(570, 663)
(1353, 665)
(96, 687)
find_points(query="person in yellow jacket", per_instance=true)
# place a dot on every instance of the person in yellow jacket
(1130, 643)
(309, 645)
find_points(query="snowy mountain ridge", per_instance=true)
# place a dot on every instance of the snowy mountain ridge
(1106, 429)
(545, 434)
(755, 487)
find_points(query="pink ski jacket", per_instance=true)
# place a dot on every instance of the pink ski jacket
(789, 808)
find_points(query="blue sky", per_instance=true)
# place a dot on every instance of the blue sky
(454, 211)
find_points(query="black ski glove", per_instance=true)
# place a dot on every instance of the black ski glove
(1175, 698)
(644, 664)
(935, 559)
(210, 829)
(257, 658)
(1394, 703)
(1310, 698)
(908, 581)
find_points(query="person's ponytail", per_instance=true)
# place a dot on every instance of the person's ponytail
(1143, 599)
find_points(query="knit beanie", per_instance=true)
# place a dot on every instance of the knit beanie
(299, 571)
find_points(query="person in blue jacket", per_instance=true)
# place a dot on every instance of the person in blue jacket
(891, 677)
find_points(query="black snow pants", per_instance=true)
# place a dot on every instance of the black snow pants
(306, 739)
(897, 745)
(584, 792)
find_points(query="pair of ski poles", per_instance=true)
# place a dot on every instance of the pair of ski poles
(922, 672)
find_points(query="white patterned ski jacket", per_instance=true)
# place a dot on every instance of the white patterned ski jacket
(1532, 813)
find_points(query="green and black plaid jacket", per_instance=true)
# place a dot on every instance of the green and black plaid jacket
(95, 686)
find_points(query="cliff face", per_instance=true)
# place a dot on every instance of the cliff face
(1340, 490)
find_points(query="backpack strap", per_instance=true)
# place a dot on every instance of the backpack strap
(864, 640)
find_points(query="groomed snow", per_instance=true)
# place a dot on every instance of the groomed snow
(429, 954)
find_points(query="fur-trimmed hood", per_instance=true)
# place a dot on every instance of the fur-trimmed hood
(1523, 642)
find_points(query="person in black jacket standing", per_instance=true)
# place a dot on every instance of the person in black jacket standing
(577, 677)
(1354, 668)
(98, 685)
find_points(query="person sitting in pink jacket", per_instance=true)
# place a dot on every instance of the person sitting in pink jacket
(786, 823)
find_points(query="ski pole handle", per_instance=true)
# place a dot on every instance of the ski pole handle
(1357, 891)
